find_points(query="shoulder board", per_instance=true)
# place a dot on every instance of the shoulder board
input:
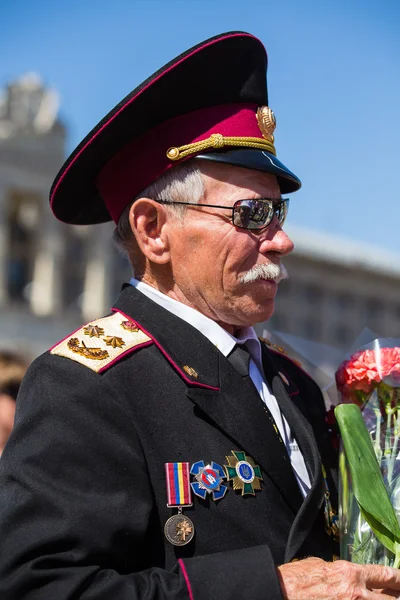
(272, 346)
(102, 342)
(282, 352)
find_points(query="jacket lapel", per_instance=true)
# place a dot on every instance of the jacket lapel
(303, 433)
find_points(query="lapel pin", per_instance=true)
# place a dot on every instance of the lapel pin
(179, 529)
(243, 472)
(190, 371)
(208, 480)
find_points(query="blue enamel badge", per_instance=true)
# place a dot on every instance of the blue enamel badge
(208, 480)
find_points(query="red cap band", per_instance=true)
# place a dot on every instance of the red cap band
(142, 161)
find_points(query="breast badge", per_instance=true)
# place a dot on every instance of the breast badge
(243, 472)
(208, 480)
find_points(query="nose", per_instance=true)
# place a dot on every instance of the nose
(274, 239)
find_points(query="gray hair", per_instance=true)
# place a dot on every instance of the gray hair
(183, 183)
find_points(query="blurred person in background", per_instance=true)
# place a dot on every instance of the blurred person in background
(12, 371)
(163, 452)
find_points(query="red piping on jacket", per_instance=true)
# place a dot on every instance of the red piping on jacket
(173, 363)
(186, 577)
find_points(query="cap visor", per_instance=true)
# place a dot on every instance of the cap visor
(258, 160)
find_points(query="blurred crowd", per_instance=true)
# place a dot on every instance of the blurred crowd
(12, 370)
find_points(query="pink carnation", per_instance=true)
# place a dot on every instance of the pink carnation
(362, 373)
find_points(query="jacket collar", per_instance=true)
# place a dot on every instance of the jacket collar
(189, 352)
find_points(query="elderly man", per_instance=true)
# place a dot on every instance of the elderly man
(162, 451)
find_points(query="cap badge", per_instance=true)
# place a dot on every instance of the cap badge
(267, 122)
(243, 472)
(208, 480)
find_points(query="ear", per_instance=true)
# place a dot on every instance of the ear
(148, 221)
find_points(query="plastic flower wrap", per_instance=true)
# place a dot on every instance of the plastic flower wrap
(370, 379)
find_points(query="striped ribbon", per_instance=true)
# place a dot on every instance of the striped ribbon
(178, 484)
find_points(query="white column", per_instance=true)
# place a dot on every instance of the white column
(46, 285)
(96, 296)
(3, 247)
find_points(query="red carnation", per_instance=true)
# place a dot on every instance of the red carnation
(365, 370)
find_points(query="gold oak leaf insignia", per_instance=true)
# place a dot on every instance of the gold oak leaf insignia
(93, 331)
(92, 353)
(114, 341)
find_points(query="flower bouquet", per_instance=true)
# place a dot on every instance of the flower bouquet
(369, 466)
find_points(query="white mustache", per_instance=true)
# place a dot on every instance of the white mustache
(265, 271)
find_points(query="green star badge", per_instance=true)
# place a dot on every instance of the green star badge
(243, 472)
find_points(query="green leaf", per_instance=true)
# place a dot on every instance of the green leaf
(383, 534)
(368, 486)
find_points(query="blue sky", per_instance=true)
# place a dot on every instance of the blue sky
(333, 79)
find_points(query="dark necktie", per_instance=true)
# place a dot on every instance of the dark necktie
(240, 360)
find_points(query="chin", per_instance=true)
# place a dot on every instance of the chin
(259, 314)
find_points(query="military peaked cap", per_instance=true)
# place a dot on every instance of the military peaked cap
(210, 102)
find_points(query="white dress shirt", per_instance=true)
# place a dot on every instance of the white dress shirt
(225, 343)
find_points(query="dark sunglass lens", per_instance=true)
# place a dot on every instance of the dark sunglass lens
(250, 214)
(257, 214)
(243, 214)
(282, 211)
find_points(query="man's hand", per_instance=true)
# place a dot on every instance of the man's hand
(315, 579)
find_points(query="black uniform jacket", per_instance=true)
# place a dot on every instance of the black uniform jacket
(83, 498)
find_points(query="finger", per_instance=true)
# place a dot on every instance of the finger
(389, 593)
(381, 595)
(376, 576)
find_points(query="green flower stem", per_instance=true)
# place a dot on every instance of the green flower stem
(394, 449)
(377, 444)
(389, 412)
(368, 485)
(396, 563)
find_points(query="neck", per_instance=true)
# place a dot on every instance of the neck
(169, 288)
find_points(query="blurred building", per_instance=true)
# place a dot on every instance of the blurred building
(336, 288)
(53, 277)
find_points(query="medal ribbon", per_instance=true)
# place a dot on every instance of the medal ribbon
(178, 484)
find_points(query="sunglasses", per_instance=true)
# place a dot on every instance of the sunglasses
(252, 214)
